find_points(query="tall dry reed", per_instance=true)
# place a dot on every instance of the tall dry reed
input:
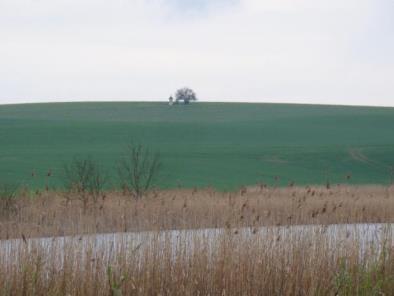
(57, 214)
(231, 264)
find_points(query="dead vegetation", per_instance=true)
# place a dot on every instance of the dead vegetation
(299, 264)
(59, 213)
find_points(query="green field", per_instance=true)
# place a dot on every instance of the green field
(224, 145)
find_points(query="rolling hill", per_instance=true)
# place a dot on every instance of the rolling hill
(224, 145)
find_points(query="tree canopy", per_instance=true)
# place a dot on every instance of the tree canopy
(186, 95)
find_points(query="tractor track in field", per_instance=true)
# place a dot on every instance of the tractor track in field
(357, 155)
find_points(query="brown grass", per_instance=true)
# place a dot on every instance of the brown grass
(57, 214)
(300, 264)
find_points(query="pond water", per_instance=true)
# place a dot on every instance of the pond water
(106, 246)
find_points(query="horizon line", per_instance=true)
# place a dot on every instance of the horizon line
(232, 101)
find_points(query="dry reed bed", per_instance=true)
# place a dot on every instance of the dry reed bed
(232, 264)
(58, 214)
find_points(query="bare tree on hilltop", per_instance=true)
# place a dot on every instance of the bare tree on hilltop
(186, 95)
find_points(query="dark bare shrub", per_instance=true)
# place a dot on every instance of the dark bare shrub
(86, 178)
(8, 194)
(138, 170)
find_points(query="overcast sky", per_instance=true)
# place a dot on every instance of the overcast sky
(305, 51)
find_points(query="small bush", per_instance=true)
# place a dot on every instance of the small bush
(85, 177)
(8, 194)
(138, 170)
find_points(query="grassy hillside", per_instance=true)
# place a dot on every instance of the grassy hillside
(220, 144)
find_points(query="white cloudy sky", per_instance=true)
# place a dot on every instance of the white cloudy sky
(310, 51)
